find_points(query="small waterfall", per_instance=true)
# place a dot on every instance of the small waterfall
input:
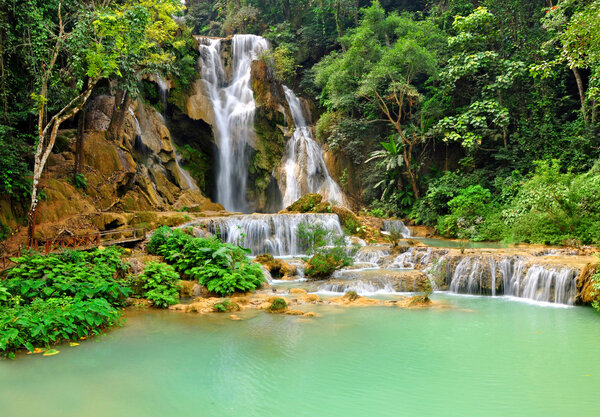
(412, 257)
(304, 170)
(477, 275)
(396, 226)
(276, 234)
(368, 255)
(234, 107)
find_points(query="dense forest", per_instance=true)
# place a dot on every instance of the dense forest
(477, 117)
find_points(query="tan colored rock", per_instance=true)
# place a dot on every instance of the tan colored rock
(311, 298)
(294, 312)
(298, 291)
(198, 105)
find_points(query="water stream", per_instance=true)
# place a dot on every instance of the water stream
(304, 170)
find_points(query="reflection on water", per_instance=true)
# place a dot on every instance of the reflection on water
(490, 357)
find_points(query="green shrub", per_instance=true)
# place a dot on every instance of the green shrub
(65, 296)
(77, 274)
(4, 231)
(222, 267)
(467, 212)
(352, 295)
(80, 181)
(322, 265)
(278, 304)
(49, 321)
(161, 284)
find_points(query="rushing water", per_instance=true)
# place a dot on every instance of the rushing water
(304, 169)
(491, 357)
(276, 234)
(233, 107)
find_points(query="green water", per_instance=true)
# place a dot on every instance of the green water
(490, 357)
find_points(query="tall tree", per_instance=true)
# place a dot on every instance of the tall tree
(111, 41)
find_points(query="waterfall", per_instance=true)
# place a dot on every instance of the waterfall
(276, 234)
(396, 226)
(477, 276)
(233, 107)
(304, 170)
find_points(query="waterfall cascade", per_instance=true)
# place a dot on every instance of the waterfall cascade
(304, 169)
(510, 276)
(233, 106)
(396, 226)
(276, 234)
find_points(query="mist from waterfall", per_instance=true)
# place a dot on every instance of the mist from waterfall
(233, 107)
(304, 170)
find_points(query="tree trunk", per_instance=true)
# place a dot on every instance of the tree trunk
(47, 133)
(79, 143)
(115, 128)
(581, 93)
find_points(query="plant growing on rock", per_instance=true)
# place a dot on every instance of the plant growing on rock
(278, 304)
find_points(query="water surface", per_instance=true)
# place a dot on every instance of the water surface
(489, 357)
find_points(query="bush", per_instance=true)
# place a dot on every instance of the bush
(66, 296)
(161, 284)
(77, 274)
(278, 304)
(49, 321)
(467, 212)
(222, 267)
(328, 252)
(80, 181)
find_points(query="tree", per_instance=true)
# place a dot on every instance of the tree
(477, 78)
(102, 43)
(575, 29)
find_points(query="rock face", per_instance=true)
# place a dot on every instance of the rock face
(138, 173)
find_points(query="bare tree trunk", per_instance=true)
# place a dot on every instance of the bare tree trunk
(115, 128)
(46, 138)
(79, 142)
(581, 93)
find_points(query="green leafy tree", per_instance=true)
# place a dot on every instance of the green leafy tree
(478, 78)
(575, 29)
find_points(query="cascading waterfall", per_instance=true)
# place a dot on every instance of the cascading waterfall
(276, 234)
(304, 170)
(476, 276)
(233, 107)
(396, 226)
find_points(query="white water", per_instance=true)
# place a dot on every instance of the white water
(234, 107)
(544, 283)
(304, 170)
(276, 234)
(396, 226)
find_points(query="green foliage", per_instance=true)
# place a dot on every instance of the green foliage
(352, 295)
(329, 252)
(596, 290)
(278, 304)
(66, 296)
(161, 284)
(467, 211)
(80, 181)
(222, 267)
(306, 203)
(4, 231)
(48, 321)
(14, 171)
(80, 275)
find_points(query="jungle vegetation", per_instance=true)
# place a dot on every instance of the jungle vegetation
(478, 117)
